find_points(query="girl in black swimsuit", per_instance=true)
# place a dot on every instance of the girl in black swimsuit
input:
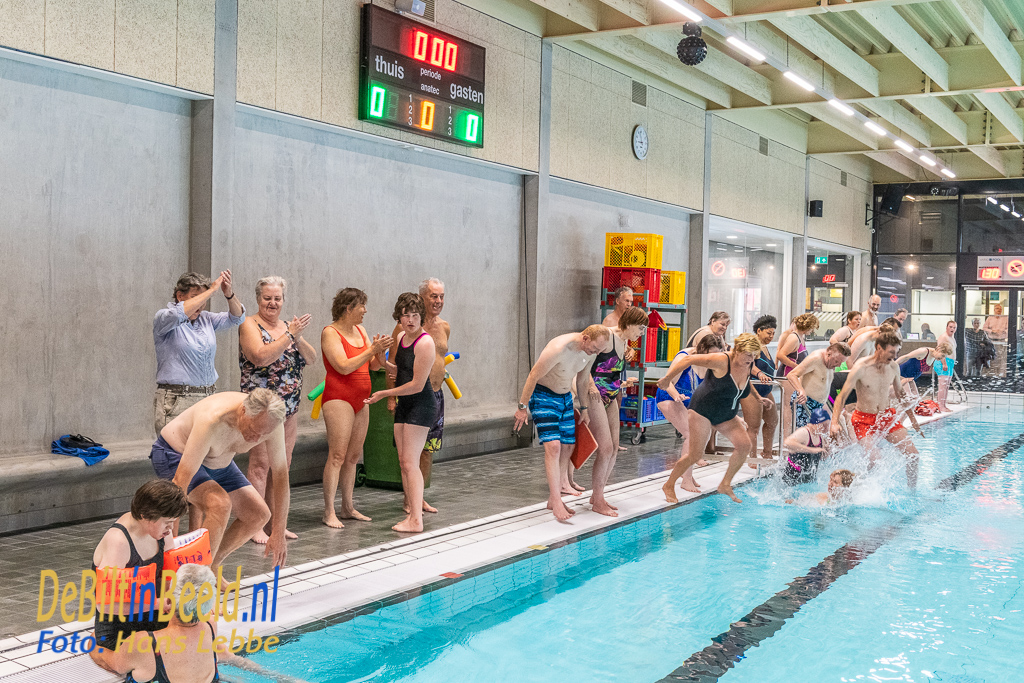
(716, 403)
(755, 414)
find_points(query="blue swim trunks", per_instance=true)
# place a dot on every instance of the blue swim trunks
(553, 415)
(802, 413)
(165, 463)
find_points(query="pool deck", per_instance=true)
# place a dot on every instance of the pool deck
(482, 521)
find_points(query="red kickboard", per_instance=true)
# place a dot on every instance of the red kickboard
(586, 444)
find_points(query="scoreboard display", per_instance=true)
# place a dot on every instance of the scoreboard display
(415, 78)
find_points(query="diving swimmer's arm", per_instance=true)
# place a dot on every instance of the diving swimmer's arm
(197, 447)
(897, 386)
(668, 383)
(279, 468)
(919, 354)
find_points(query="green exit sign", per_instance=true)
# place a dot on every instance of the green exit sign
(821, 260)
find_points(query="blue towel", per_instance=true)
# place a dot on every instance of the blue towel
(91, 455)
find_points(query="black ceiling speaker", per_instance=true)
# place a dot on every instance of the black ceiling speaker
(691, 49)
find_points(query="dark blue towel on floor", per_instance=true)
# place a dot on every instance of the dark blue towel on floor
(91, 455)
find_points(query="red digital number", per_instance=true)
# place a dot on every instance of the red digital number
(434, 50)
(989, 274)
(828, 278)
(739, 272)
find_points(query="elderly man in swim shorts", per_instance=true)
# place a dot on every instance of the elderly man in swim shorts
(548, 391)
(871, 378)
(812, 378)
(196, 450)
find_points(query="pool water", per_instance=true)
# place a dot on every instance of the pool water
(940, 599)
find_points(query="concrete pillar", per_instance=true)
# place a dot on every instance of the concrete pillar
(535, 219)
(799, 270)
(697, 310)
(211, 184)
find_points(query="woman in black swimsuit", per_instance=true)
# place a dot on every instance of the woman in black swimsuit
(716, 403)
(417, 408)
(754, 412)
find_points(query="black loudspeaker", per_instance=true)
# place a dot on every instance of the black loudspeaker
(814, 209)
(892, 199)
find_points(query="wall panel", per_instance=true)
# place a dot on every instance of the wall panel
(842, 220)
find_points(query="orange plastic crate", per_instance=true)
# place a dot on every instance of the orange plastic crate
(632, 250)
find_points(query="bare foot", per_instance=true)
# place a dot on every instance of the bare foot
(260, 538)
(613, 507)
(727, 490)
(603, 508)
(408, 526)
(569, 490)
(702, 463)
(689, 484)
(427, 507)
(562, 513)
(576, 486)
(332, 521)
(622, 448)
(670, 493)
(290, 535)
(355, 514)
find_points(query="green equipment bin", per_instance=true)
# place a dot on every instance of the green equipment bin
(380, 456)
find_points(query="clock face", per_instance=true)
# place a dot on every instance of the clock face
(640, 142)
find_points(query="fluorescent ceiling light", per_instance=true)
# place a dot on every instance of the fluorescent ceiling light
(744, 48)
(842, 106)
(904, 146)
(771, 244)
(927, 159)
(796, 79)
(875, 128)
(949, 174)
(991, 200)
(731, 237)
(683, 9)
(1015, 214)
(1004, 207)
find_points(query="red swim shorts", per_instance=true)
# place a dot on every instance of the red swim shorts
(886, 422)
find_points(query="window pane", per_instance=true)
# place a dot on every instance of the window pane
(924, 285)
(990, 226)
(829, 291)
(925, 225)
(745, 279)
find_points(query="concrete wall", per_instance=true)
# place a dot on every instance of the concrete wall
(94, 223)
(842, 220)
(167, 41)
(302, 57)
(326, 211)
(580, 217)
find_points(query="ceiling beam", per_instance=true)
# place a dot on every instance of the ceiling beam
(586, 13)
(834, 119)
(765, 10)
(991, 156)
(1004, 113)
(819, 41)
(899, 116)
(718, 65)
(908, 41)
(985, 27)
(899, 163)
(941, 115)
(654, 61)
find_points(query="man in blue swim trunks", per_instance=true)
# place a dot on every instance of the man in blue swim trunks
(196, 451)
(547, 395)
(812, 379)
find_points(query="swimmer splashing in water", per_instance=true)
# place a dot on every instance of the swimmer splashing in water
(838, 486)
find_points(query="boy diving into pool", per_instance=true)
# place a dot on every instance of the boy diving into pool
(871, 378)
(838, 483)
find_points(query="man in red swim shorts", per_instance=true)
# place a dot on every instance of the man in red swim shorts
(871, 378)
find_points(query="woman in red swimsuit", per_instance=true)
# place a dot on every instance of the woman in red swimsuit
(348, 356)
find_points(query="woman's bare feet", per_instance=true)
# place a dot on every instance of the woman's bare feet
(670, 492)
(562, 513)
(331, 520)
(354, 514)
(290, 535)
(613, 507)
(603, 508)
(576, 486)
(727, 490)
(408, 526)
(427, 507)
(689, 483)
(702, 463)
(260, 537)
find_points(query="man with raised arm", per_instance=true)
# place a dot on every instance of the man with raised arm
(872, 378)
(812, 379)
(547, 395)
(196, 451)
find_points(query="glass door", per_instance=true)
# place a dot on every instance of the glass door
(991, 322)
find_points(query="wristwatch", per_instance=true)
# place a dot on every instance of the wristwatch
(522, 406)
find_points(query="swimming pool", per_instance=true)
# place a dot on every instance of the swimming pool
(910, 588)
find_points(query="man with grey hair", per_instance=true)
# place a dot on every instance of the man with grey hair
(870, 316)
(185, 334)
(432, 292)
(196, 450)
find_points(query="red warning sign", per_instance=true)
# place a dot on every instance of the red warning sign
(1015, 268)
(717, 268)
(893, 298)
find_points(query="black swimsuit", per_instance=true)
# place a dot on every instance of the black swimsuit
(718, 398)
(160, 676)
(108, 630)
(416, 409)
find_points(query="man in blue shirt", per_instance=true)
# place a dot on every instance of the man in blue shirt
(186, 343)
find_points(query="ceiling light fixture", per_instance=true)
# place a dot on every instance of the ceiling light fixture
(927, 160)
(842, 106)
(683, 9)
(875, 128)
(745, 49)
(799, 81)
(949, 174)
(1015, 214)
(906, 147)
(991, 200)
(1004, 207)
(731, 237)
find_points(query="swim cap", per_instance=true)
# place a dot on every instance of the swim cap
(819, 415)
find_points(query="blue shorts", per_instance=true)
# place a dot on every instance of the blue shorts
(165, 463)
(553, 415)
(802, 413)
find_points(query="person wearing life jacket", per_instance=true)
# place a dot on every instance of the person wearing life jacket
(135, 542)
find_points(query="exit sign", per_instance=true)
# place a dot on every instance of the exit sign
(821, 260)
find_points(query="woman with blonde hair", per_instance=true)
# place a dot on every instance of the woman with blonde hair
(716, 403)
